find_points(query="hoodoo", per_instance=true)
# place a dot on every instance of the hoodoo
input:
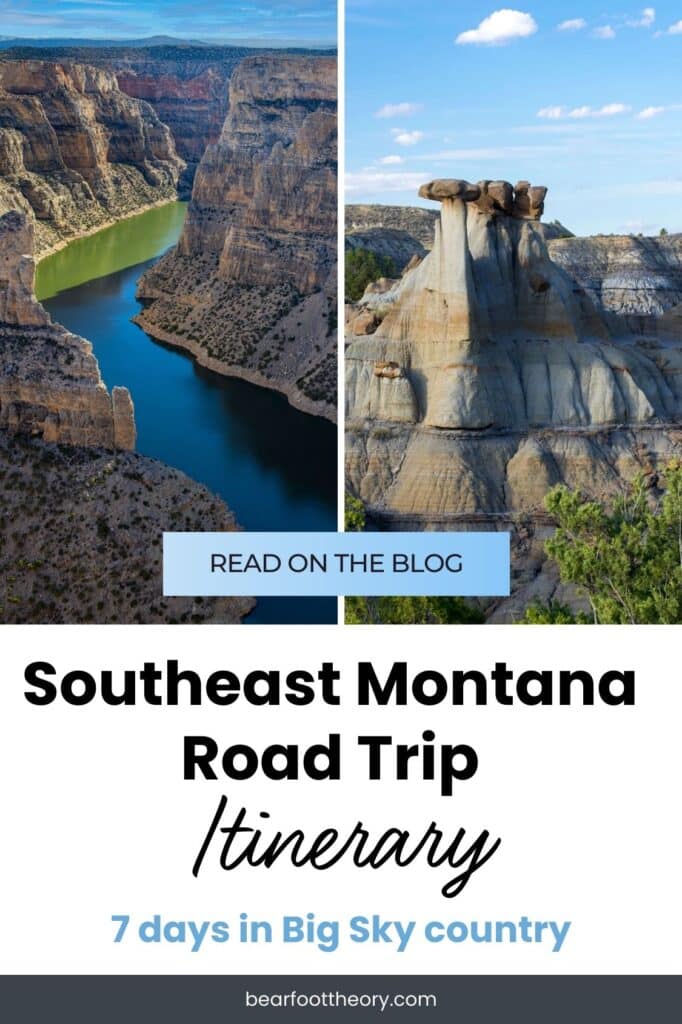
(492, 375)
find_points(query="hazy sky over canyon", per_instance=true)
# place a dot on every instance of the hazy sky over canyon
(586, 102)
(275, 20)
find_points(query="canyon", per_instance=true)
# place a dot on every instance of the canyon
(250, 289)
(75, 493)
(506, 361)
(84, 144)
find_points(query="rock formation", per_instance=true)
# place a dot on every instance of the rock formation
(492, 375)
(636, 282)
(250, 288)
(406, 232)
(50, 384)
(82, 515)
(76, 152)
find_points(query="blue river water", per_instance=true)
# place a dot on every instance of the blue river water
(274, 466)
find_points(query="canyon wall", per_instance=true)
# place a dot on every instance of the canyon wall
(76, 152)
(250, 289)
(188, 91)
(50, 384)
(490, 374)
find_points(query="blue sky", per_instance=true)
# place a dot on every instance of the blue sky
(583, 97)
(277, 20)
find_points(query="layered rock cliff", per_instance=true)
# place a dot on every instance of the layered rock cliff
(250, 288)
(492, 375)
(50, 384)
(188, 89)
(186, 85)
(82, 515)
(635, 281)
(76, 152)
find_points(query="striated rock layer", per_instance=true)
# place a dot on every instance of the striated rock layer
(189, 93)
(50, 384)
(250, 288)
(186, 85)
(492, 375)
(82, 516)
(76, 152)
(636, 282)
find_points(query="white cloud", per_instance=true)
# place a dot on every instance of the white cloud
(580, 113)
(405, 138)
(646, 19)
(572, 25)
(605, 32)
(378, 182)
(387, 160)
(499, 28)
(398, 109)
(612, 110)
(676, 29)
(649, 112)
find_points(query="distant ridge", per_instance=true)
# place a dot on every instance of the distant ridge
(20, 42)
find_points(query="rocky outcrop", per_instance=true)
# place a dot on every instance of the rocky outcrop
(492, 376)
(76, 152)
(50, 384)
(250, 288)
(417, 221)
(635, 281)
(397, 232)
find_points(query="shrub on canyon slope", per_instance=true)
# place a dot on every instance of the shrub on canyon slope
(626, 561)
(395, 611)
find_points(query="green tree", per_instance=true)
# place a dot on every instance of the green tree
(394, 611)
(663, 232)
(354, 514)
(362, 267)
(627, 561)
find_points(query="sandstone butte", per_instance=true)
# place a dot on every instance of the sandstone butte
(82, 514)
(250, 289)
(491, 371)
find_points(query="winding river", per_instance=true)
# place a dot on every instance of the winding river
(274, 466)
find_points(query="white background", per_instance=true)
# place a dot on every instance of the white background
(97, 819)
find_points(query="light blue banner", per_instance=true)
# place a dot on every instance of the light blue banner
(335, 564)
